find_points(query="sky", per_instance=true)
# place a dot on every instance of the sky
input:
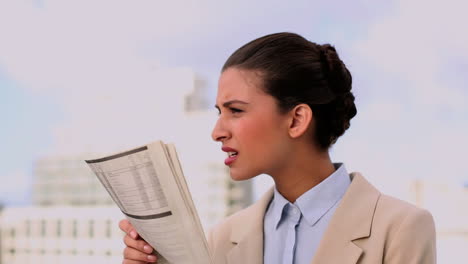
(76, 76)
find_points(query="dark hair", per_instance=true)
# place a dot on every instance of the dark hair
(294, 71)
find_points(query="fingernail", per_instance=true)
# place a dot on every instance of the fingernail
(147, 249)
(133, 234)
(151, 258)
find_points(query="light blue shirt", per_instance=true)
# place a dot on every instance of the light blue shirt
(292, 231)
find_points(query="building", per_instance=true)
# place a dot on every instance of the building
(74, 220)
(60, 235)
(65, 227)
(447, 201)
(67, 181)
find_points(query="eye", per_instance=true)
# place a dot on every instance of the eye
(235, 110)
(218, 110)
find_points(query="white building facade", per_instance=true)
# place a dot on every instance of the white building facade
(66, 181)
(74, 220)
(60, 235)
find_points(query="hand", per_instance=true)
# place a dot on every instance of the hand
(137, 251)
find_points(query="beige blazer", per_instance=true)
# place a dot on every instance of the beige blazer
(367, 228)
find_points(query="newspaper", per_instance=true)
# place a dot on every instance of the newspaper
(148, 185)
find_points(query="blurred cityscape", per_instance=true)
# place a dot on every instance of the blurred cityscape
(72, 219)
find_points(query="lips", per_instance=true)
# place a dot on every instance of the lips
(232, 155)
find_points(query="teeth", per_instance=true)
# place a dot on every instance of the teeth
(232, 154)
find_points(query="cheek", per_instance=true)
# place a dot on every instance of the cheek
(259, 133)
(249, 132)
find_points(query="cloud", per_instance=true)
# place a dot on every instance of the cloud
(86, 55)
(96, 59)
(412, 107)
(417, 43)
(78, 45)
(105, 63)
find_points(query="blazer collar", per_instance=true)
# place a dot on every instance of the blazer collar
(337, 245)
(247, 236)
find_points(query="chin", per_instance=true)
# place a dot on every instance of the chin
(239, 175)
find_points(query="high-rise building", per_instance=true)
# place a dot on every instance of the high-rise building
(74, 220)
(66, 181)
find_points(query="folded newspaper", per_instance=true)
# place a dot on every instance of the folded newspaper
(148, 185)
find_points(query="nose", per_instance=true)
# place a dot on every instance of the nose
(220, 133)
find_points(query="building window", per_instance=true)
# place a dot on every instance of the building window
(108, 228)
(91, 228)
(75, 229)
(59, 228)
(28, 228)
(43, 228)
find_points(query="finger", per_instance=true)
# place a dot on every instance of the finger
(138, 244)
(129, 261)
(127, 227)
(135, 255)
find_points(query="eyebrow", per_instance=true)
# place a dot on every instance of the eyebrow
(228, 103)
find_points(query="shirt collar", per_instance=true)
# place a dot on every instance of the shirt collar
(317, 201)
(278, 205)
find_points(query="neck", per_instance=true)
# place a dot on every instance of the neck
(303, 171)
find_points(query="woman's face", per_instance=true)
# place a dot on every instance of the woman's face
(252, 131)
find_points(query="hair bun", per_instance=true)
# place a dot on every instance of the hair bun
(338, 77)
(296, 71)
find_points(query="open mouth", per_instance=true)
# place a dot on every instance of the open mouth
(232, 154)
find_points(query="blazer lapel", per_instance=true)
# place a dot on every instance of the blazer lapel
(352, 220)
(247, 237)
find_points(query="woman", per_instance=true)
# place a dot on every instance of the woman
(283, 101)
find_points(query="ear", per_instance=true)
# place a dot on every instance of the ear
(301, 117)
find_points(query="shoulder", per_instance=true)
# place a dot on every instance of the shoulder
(397, 210)
(386, 228)
(399, 231)
(409, 231)
(389, 213)
(402, 218)
(364, 198)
